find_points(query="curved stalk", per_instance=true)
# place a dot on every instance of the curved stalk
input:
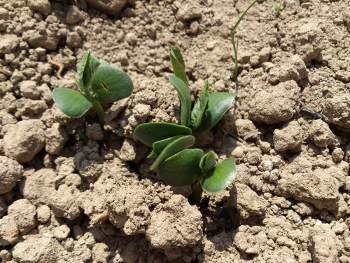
(99, 111)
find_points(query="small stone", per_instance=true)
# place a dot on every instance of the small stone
(61, 232)
(321, 134)
(100, 253)
(56, 137)
(238, 152)
(39, 249)
(254, 61)
(24, 140)
(324, 244)
(290, 137)
(175, 225)
(275, 104)
(248, 202)
(246, 129)
(5, 255)
(74, 40)
(128, 151)
(338, 155)
(131, 38)
(292, 68)
(303, 209)
(9, 232)
(189, 11)
(29, 89)
(10, 172)
(24, 213)
(43, 214)
(8, 43)
(41, 6)
(141, 111)
(74, 15)
(317, 188)
(264, 54)
(266, 165)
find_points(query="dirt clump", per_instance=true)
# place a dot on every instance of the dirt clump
(24, 140)
(10, 172)
(275, 104)
(182, 224)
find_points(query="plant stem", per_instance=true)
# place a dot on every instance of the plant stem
(233, 41)
(99, 111)
(197, 193)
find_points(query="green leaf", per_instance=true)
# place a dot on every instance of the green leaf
(222, 176)
(185, 98)
(219, 103)
(157, 147)
(182, 168)
(71, 102)
(110, 84)
(86, 69)
(151, 132)
(200, 107)
(172, 148)
(178, 64)
(208, 161)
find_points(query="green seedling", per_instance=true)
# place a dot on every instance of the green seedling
(176, 163)
(277, 8)
(98, 83)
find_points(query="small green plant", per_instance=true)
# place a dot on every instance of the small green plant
(277, 8)
(98, 83)
(176, 163)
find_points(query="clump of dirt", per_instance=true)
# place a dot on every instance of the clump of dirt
(72, 191)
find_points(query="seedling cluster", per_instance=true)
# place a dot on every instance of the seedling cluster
(175, 161)
(98, 83)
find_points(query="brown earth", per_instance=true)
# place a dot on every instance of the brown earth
(72, 192)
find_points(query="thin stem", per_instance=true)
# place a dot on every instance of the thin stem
(197, 192)
(99, 111)
(233, 41)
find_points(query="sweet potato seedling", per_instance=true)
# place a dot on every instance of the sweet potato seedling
(98, 83)
(175, 161)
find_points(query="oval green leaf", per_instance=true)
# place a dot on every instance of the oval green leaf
(86, 69)
(151, 132)
(219, 103)
(208, 161)
(178, 64)
(200, 107)
(172, 148)
(71, 102)
(182, 168)
(157, 147)
(185, 98)
(110, 84)
(222, 176)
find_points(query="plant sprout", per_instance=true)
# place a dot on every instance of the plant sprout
(277, 8)
(176, 163)
(98, 83)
